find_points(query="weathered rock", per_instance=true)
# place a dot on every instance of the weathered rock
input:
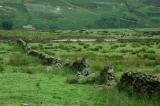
(141, 84)
(89, 79)
(107, 75)
(86, 71)
(22, 43)
(82, 67)
(24, 104)
(48, 60)
(80, 64)
(33, 53)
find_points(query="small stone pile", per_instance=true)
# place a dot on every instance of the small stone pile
(141, 84)
(48, 60)
(82, 66)
(107, 75)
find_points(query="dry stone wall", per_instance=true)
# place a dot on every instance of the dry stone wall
(140, 83)
(48, 60)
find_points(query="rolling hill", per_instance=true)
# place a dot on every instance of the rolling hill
(80, 14)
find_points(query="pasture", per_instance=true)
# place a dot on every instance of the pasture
(25, 79)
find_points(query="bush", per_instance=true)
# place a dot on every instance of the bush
(97, 48)
(7, 25)
(150, 51)
(86, 46)
(150, 56)
(122, 45)
(114, 46)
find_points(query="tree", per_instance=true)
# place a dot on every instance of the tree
(7, 25)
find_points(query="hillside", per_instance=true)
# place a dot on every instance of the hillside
(80, 14)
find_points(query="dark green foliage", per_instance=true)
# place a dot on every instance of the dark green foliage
(114, 46)
(1, 68)
(7, 25)
(73, 14)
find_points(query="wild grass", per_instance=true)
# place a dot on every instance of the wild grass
(26, 80)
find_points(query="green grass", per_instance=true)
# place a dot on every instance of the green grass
(39, 88)
(24, 79)
(124, 56)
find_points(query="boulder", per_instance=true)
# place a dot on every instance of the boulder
(140, 83)
(107, 75)
(86, 72)
(33, 53)
(80, 64)
(22, 43)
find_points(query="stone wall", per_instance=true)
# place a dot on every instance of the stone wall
(140, 83)
(48, 60)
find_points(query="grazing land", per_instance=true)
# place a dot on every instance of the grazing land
(25, 79)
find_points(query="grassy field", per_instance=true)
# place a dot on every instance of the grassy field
(25, 79)
(124, 56)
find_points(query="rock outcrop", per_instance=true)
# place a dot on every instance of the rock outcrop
(141, 84)
(82, 66)
(107, 75)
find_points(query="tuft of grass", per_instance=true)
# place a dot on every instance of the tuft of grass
(21, 60)
(72, 79)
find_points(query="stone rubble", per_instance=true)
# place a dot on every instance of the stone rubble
(140, 83)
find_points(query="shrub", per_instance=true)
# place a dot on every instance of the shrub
(86, 46)
(150, 56)
(7, 25)
(97, 48)
(143, 50)
(79, 49)
(150, 51)
(114, 46)
(122, 45)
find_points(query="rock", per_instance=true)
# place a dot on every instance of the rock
(22, 43)
(33, 53)
(48, 60)
(89, 79)
(24, 104)
(107, 75)
(140, 83)
(80, 64)
(86, 71)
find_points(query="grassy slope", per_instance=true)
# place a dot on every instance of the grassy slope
(66, 14)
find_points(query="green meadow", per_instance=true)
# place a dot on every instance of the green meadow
(24, 79)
